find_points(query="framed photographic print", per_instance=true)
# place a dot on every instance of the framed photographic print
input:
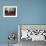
(9, 11)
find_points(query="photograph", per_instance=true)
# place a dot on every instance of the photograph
(9, 11)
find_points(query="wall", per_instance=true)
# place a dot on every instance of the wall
(29, 12)
(7, 25)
